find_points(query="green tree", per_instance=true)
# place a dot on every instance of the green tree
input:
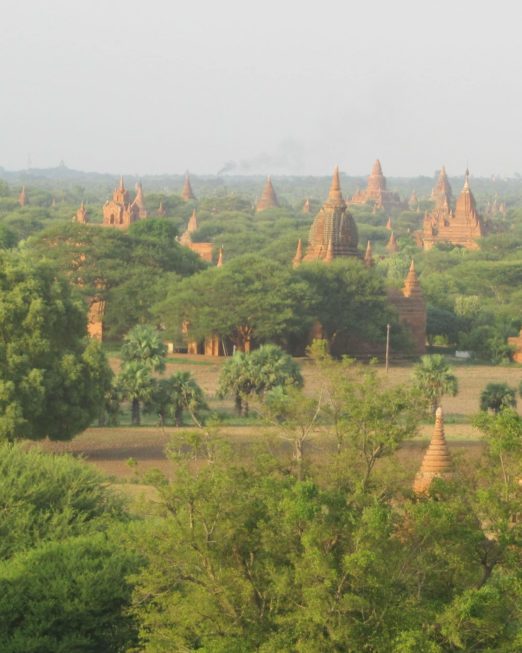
(52, 379)
(46, 497)
(434, 379)
(497, 396)
(170, 397)
(71, 595)
(248, 299)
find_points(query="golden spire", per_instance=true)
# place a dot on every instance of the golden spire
(437, 460)
(296, 261)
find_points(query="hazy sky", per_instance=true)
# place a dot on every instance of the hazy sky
(283, 87)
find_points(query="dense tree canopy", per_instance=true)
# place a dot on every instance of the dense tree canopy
(52, 380)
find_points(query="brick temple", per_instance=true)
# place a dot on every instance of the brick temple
(120, 211)
(461, 227)
(333, 232)
(376, 192)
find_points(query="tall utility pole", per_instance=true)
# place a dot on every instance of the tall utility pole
(387, 347)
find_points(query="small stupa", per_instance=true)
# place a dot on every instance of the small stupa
(268, 198)
(392, 246)
(160, 211)
(306, 206)
(437, 460)
(389, 224)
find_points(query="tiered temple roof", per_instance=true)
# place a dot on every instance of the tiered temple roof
(187, 193)
(462, 227)
(119, 212)
(333, 232)
(376, 192)
(268, 198)
(204, 250)
(437, 460)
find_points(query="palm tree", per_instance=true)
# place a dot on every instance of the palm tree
(143, 344)
(185, 395)
(135, 383)
(246, 374)
(497, 396)
(434, 379)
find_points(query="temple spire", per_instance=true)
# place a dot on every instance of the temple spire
(268, 197)
(411, 283)
(306, 206)
(389, 224)
(335, 196)
(121, 187)
(437, 460)
(22, 197)
(298, 258)
(192, 225)
(187, 193)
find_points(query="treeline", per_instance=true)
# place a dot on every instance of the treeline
(243, 550)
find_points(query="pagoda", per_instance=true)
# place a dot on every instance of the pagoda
(306, 206)
(333, 232)
(187, 193)
(203, 250)
(268, 198)
(139, 202)
(160, 211)
(413, 202)
(368, 255)
(411, 308)
(120, 212)
(441, 193)
(437, 460)
(81, 216)
(376, 192)
(461, 227)
(392, 245)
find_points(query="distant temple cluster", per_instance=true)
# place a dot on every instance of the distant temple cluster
(333, 234)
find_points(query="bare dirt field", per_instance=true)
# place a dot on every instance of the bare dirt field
(129, 452)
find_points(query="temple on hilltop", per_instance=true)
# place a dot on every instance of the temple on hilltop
(187, 193)
(410, 304)
(376, 192)
(333, 232)
(437, 460)
(120, 212)
(81, 216)
(461, 227)
(204, 250)
(268, 198)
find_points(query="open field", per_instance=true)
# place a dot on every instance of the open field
(111, 449)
